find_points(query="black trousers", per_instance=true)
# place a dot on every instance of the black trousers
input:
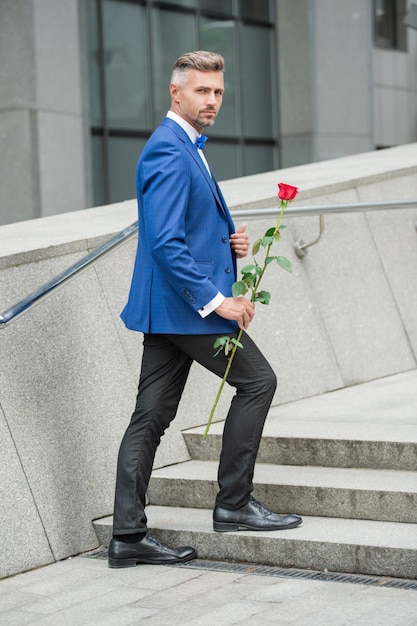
(166, 363)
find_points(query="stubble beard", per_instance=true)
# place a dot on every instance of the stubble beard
(204, 121)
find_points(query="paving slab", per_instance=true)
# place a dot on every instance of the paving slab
(194, 595)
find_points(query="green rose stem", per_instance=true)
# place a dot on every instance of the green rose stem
(236, 344)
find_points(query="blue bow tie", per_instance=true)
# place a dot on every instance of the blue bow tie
(200, 141)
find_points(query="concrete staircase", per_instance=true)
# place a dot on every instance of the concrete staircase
(346, 461)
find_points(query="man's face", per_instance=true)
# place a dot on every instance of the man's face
(200, 99)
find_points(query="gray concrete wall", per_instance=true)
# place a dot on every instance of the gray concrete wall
(69, 368)
(325, 66)
(43, 122)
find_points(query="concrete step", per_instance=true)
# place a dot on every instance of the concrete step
(371, 425)
(321, 543)
(332, 443)
(384, 495)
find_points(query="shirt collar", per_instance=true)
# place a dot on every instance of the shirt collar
(186, 126)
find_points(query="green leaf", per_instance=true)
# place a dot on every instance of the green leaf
(239, 288)
(256, 247)
(247, 269)
(277, 236)
(266, 241)
(220, 343)
(282, 226)
(263, 297)
(226, 343)
(269, 259)
(270, 232)
(284, 263)
(227, 348)
(249, 281)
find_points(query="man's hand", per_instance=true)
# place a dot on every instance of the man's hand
(239, 309)
(240, 242)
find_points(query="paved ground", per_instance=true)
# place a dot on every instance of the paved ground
(83, 591)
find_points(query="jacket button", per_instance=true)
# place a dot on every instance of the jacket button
(227, 269)
(225, 239)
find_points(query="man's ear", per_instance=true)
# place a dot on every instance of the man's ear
(173, 88)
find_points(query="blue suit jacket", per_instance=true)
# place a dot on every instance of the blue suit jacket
(183, 256)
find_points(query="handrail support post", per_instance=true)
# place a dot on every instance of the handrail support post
(300, 247)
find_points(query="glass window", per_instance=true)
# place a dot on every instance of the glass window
(389, 27)
(218, 7)
(172, 35)
(220, 36)
(123, 155)
(97, 154)
(257, 159)
(224, 160)
(257, 92)
(94, 65)
(132, 47)
(182, 3)
(385, 22)
(256, 10)
(125, 65)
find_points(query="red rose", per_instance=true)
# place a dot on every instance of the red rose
(286, 192)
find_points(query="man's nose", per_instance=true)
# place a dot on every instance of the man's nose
(211, 98)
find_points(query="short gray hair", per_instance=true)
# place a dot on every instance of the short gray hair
(200, 60)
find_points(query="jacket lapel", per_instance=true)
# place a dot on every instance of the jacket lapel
(210, 179)
(191, 149)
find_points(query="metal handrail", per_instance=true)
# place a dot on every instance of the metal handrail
(35, 297)
(304, 211)
(10, 314)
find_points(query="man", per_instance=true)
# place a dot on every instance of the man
(180, 298)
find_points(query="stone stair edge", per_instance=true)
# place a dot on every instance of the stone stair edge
(355, 431)
(385, 495)
(393, 447)
(361, 532)
(330, 544)
(273, 474)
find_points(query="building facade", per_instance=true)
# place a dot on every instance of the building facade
(84, 82)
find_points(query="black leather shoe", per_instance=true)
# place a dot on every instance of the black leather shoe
(253, 516)
(149, 551)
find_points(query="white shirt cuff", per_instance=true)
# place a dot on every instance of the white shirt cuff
(212, 305)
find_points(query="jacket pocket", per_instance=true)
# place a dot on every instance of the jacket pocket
(206, 269)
